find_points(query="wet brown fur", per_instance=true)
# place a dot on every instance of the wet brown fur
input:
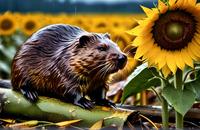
(53, 62)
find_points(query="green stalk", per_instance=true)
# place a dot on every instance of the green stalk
(179, 120)
(165, 114)
(165, 111)
(178, 80)
(14, 104)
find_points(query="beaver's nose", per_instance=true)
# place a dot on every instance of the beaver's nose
(122, 59)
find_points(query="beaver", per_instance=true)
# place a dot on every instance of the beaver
(68, 63)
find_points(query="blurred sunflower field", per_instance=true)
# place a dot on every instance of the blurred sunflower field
(15, 28)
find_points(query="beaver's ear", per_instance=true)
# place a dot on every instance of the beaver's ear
(83, 40)
(107, 35)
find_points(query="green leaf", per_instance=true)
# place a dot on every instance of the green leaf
(138, 70)
(8, 52)
(182, 100)
(195, 87)
(141, 79)
(5, 67)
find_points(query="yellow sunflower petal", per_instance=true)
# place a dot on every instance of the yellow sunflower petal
(197, 7)
(148, 11)
(162, 7)
(161, 58)
(172, 2)
(186, 58)
(198, 28)
(196, 12)
(193, 50)
(151, 55)
(148, 59)
(142, 39)
(191, 2)
(139, 21)
(147, 23)
(171, 62)
(166, 71)
(136, 31)
(197, 38)
(190, 6)
(192, 53)
(156, 14)
(196, 47)
(179, 61)
(141, 50)
(179, 3)
(143, 29)
(182, 4)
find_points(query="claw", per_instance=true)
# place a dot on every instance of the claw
(84, 103)
(105, 102)
(30, 95)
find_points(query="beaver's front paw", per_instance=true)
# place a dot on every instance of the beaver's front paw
(105, 102)
(29, 94)
(84, 103)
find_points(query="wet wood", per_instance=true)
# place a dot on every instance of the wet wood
(155, 112)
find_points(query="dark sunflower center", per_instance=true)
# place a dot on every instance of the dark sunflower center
(101, 25)
(30, 25)
(80, 22)
(116, 24)
(174, 30)
(6, 24)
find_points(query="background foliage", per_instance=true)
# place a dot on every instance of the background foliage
(15, 28)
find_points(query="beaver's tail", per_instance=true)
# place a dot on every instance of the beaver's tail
(5, 84)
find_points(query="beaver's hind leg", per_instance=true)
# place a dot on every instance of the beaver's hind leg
(28, 92)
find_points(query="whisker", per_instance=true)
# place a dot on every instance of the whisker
(98, 67)
(100, 71)
(103, 72)
(117, 39)
(106, 60)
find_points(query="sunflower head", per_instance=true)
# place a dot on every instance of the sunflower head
(7, 24)
(174, 30)
(168, 37)
(30, 25)
(100, 25)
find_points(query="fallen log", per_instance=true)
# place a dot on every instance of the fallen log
(155, 112)
(48, 109)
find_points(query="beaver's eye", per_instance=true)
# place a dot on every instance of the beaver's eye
(102, 48)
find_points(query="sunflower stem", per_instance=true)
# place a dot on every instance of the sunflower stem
(165, 114)
(165, 111)
(178, 83)
(179, 121)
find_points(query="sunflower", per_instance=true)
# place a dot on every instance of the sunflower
(169, 37)
(100, 25)
(7, 24)
(82, 21)
(30, 24)
(122, 39)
